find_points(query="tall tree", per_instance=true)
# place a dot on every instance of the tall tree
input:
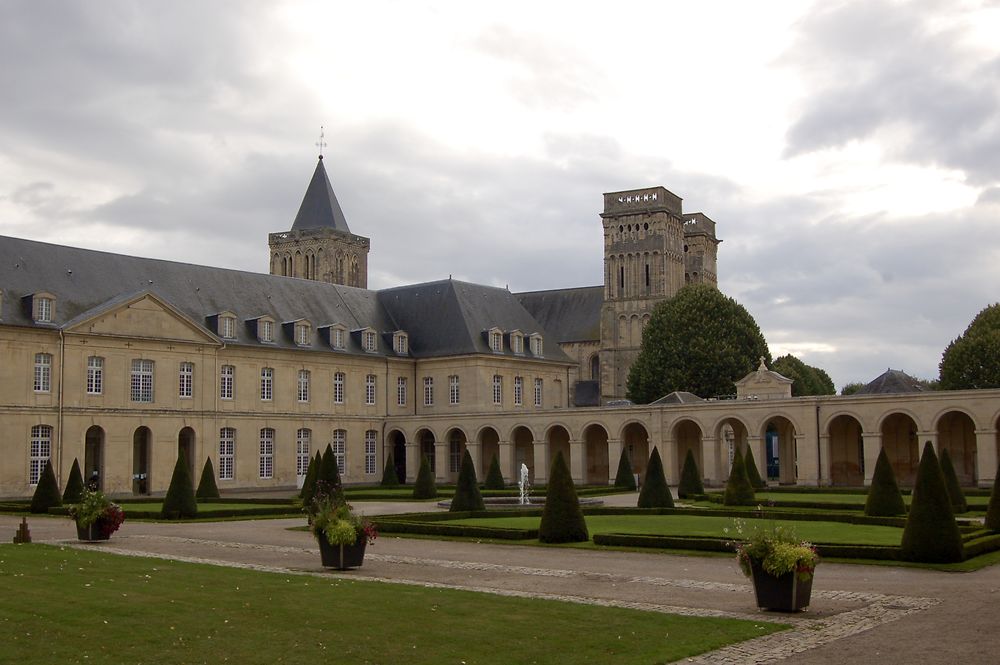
(699, 341)
(973, 359)
(807, 380)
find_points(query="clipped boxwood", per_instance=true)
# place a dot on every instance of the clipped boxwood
(424, 487)
(494, 477)
(180, 501)
(625, 479)
(993, 510)
(74, 485)
(739, 492)
(931, 534)
(47, 491)
(753, 475)
(690, 486)
(884, 497)
(207, 488)
(467, 496)
(654, 492)
(958, 503)
(389, 477)
(562, 520)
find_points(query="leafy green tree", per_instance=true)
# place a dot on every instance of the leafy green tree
(955, 494)
(739, 492)
(389, 477)
(691, 484)
(207, 488)
(851, 388)
(655, 493)
(973, 359)
(931, 534)
(467, 496)
(753, 475)
(699, 341)
(562, 519)
(494, 477)
(993, 511)
(807, 380)
(74, 486)
(179, 501)
(625, 479)
(47, 491)
(884, 498)
(424, 487)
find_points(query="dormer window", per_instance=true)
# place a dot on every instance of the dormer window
(265, 329)
(495, 338)
(517, 342)
(226, 325)
(303, 334)
(400, 343)
(369, 341)
(338, 337)
(43, 307)
(536, 344)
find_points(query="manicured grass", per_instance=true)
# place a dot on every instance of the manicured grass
(72, 606)
(206, 507)
(721, 527)
(858, 499)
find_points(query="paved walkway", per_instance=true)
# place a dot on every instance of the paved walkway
(858, 613)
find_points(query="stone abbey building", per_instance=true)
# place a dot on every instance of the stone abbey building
(121, 362)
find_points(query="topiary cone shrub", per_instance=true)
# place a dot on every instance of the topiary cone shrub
(625, 479)
(955, 494)
(309, 482)
(47, 491)
(753, 475)
(691, 484)
(993, 511)
(562, 520)
(207, 488)
(884, 498)
(467, 496)
(424, 487)
(74, 485)
(654, 492)
(328, 472)
(494, 477)
(179, 501)
(389, 477)
(738, 489)
(931, 534)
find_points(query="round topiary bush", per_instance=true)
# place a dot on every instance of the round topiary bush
(931, 534)
(625, 479)
(467, 496)
(424, 487)
(207, 488)
(179, 501)
(884, 498)
(562, 519)
(494, 477)
(738, 489)
(691, 484)
(655, 493)
(955, 494)
(74, 485)
(47, 491)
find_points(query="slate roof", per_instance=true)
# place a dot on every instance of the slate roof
(678, 397)
(320, 208)
(892, 381)
(569, 315)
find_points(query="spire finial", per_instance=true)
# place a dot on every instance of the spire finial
(321, 143)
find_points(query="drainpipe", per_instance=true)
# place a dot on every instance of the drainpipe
(59, 403)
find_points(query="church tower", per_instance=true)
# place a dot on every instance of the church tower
(320, 245)
(649, 250)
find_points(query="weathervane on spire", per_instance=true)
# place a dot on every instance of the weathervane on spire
(321, 144)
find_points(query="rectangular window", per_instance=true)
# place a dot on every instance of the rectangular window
(338, 338)
(304, 385)
(340, 450)
(95, 375)
(401, 391)
(44, 310)
(496, 341)
(518, 391)
(227, 452)
(455, 456)
(428, 391)
(227, 376)
(401, 344)
(338, 388)
(303, 441)
(142, 380)
(41, 449)
(266, 383)
(43, 372)
(228, 327)
(538, 392)
(536, 345)
(302, 335)
(369, 341)
(453, 389)
(266, 331)
(371, 461)
(370, 390)
(185, 379)
(497, 389)
(267, 453)
(517, 343)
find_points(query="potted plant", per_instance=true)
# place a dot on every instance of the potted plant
(780, 565)
(342, 534)
(96, 516)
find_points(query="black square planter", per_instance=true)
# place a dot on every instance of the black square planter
(787, 593)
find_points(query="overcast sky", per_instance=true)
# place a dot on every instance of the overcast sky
(849, 152)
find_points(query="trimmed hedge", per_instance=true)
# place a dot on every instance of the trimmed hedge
(562, 520)
(494, 477)
(424, 487)
(389, 477)
(625, 479)
(328, 471)
(47, 491)
(179, 501)
(739, 492)
(207, 489)
(884, 497)
(753, 475)
(654, 492)
(690, 486)
(309, 482)
(467, 496)
(958, 503)
(993, 511)
(74, 485)
(931, 534)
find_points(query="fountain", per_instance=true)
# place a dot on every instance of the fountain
(524, 486)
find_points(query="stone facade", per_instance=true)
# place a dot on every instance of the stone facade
(322, 254)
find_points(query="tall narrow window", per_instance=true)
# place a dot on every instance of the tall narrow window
(304, 385)
(338, 338)
(43, 372)
(517, 343)
(538, 392)
(401, 345)
(227, 452)
(428, 391)
(370, 390)
(496, 341)
(228, 327)
(185, 380)
(266, 331)
(454, 455)
(339, 447)
(227, 375)
(95, 375)
(401, 391)
(44, 311)
(266, 383)
(497, 389)
(518, 391)
(453, 389)
(536, 345)
(41, 449)
(142, 380)
(369, 341)
(302, 335)
(338, 388)
(371, 461)
(303, 441)
(647, 277)
(267, 453)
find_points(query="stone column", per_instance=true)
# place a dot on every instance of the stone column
(412, 460)
(506, 459)
(577, 461)
(441, 457)
(540, 451)
(986, 457)
(713, 462)
(614, 453)
(804, 458)
(668, 455)
(872, 442)
(826, 467)
(924, 437)
(475, 452)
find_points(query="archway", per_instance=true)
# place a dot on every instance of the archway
(781, 456)
(899, 440)
(558, 439)
(687, 436)
(595, 440)
(957, 434)
(730, 435)
(524, 451)
(185, 446)
(397, 444)
(635, 439)
(142, 440)
(456, 449)
(489, 447)
(93, 457)
(847, 452)
(425, 438)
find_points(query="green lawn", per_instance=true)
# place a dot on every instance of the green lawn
(857, 499)
(72, 606)
(721, 527)
(155, 507)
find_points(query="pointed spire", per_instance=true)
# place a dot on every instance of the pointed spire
(320, 208)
